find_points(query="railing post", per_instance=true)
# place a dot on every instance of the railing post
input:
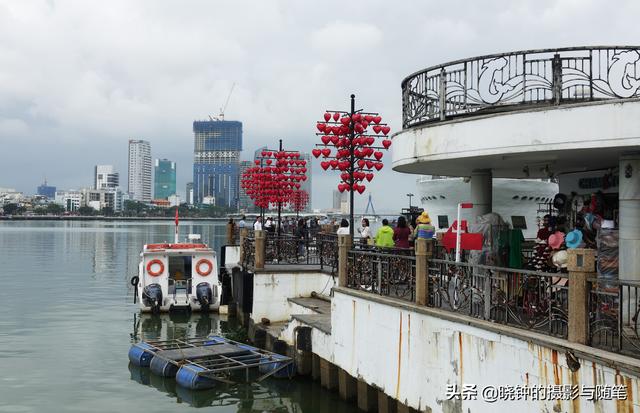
(422, 271)
(344, 245)
(443, 93)
(260, 249)
(230, 234)
(581, 266)
(556, 69)
(243, 235)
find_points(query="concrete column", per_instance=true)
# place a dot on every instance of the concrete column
(481, 193)
(244, 232)
(385, 403)
(629, 214)
(315, 367)
(328, 375)
(422, 272)
(347, 386)
(367, 397)
(260, 241)
(344, 245)
(230, 234)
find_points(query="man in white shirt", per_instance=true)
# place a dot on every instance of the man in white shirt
(257, 226)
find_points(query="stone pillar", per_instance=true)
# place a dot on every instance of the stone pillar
(328, 375)
(347, 386)
(344, 245)
(230, 234)
(481, 193)
(581, 266)
(260, 241)
(422, 271)
(629, 196)
(385, 403)
(244, 232)
(367, 397)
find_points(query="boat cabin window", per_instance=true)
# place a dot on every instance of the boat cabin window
(180, 267)
(518, 222)
(443, 221)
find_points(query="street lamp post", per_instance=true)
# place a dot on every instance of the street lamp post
(410, 195)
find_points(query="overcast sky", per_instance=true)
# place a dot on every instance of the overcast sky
(79, 78)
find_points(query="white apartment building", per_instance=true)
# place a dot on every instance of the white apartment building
(71, 200)
(140, 170)
(106, 177)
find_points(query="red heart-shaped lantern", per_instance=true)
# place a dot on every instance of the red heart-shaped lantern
(326, 152)
(377, 155)
(316, 152)
(362, 163)
(369, 177)
(327, 116)
(336, 116)
(386, 129)
(386, 143)
(378, 165)
(377, 119)
(368, 118)
(361, 188)
(345, 121)
(324, 165)
(377, 128)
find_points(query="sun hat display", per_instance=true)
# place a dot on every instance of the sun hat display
(560, 259)
(423, 218)
(556, 239)
(607, 224)
(573, 239)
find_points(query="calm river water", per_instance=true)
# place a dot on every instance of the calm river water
(67, 321)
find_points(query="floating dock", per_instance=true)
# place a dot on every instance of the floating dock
(198, 363)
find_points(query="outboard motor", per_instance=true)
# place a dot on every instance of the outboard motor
(204, 295)
(152, 297)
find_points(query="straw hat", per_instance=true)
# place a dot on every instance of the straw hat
(560, 259)
(423, 218)
(556, 239)
(573, 239)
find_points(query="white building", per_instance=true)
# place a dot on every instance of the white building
(174, 200)
(10, 196)
(140, 170)
(105, 177)
(71, 200)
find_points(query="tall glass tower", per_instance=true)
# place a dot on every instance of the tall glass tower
(216, 161)
(165, 179)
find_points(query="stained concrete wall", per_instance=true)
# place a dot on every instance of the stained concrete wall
(271, 291)
(412, 355)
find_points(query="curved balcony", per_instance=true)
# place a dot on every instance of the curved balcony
(520, 80)
(522, 114)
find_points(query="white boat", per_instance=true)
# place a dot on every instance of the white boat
(519, 200)
(178, 276)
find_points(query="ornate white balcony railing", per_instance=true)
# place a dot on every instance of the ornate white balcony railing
(520, 80)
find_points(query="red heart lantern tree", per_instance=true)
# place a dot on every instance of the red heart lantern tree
(275, 179)
(353, 143)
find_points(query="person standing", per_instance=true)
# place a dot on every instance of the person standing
(242, 223)
(302, 235)
(257, 226)
(424, 228)
(384, 236)
(344, 227)
(365, 231)
(401, 233)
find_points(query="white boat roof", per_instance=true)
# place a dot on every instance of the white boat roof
(179, 247)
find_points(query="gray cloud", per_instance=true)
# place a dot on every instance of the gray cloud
(79, 78)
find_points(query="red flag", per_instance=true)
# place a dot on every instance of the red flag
(176, 216)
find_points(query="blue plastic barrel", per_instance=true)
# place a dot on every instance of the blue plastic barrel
(163, 368)
(284, 373)
(188, 377)
(214, 340)
(140, 355)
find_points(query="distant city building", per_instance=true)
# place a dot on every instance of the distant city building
(140, 167)
(340, 200)
(174, 200)
(216, 163)
(99, 199)
(105, 177)
(71, 200)
(189, 193)
(165, 179)
(244, 202)
(46, 190)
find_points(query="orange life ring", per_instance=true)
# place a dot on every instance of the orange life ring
(155, 273)
(204, 262)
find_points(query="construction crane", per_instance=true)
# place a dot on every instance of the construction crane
(222, 109)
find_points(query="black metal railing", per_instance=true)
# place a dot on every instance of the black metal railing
(288, 249)
(328, 251)
(248, 252)
(512, 81)
(613, 315)
(382, 272)
(526, 299)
